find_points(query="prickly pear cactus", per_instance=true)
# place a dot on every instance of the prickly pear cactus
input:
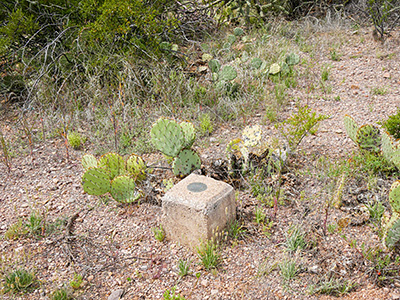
(112, 162)
(393, 235)
(189, 132)
(351, 127)
(186, 162)
(256, 63)
(88, 161)
(274, 69)
(369, 138)
(251, 135)
(238, 31)
(123, 189)
(395, 158)
(214, 65)
(96, 181)
(167, 136)
(228, 73)
(292, 59)
(394, 196)
(136, 167)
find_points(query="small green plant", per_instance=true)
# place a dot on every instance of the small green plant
(76, 282)
(288, 270)
(16, 230)
(260, 215)
(61, 294)
(295, 240)
(332, 228)
(183, 267)
(300, 124)
(36, 224)
(392, 124)
(325, 73)
(235, 230)
(159, 233)
(266, 267)
(334, 55)
(332, 286)
(171, 295)
(206, 127)
(379, 91)
(20, 281)
(75, 140)
(267, 226)
(209, 255)
(270, 114)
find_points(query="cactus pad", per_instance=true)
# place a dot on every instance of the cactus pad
(123, 189)
(387, 146)
(189, 132)
(136, 167)
(114, 163)
(228, 73)
(351, 127)
(274, 69)
(231, 39)
(369, 138)
(186, 162)
(96, 181)
(292, 59)
(251, 135)
(394, 196)
(206, 57)
(167, 136)
(238, 31)
(214, 65)
(89, 161)
(256, 63)
(393, 235)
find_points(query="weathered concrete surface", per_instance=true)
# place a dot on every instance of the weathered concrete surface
(196, 209)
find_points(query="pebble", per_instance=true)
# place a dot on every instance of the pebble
(115, 295)
(204, 282)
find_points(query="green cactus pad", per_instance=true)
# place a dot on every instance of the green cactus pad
(369, 138)
(186, 162)
(251, 135)
(167, 136)
(284, 68)
(214, 65)
(292, 59)
(231, 39)
(136, 167)
(238, 31)
(206, 57)
(113, 162)
(228, 73)
(393, 235)
(189, 132)
(274, 69)
(351, 127)
(89, 161)
(96, 181)
(395, 158)
(123, 189)
(394, 196)
(256, 63)
(387, 145)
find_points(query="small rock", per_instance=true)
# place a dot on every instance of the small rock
(314, 269)
(214, 292)
(90, 278)
(213, 139)
(117, 294)
(395, 296)
(204, 282)
(386, 75)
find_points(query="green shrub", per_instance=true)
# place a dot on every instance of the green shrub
(75, 140)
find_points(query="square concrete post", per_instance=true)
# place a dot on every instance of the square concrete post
(196, 209)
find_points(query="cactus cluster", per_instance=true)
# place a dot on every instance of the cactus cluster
(390, 150)
(367, 137)
(175, 140)
(112, 174)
